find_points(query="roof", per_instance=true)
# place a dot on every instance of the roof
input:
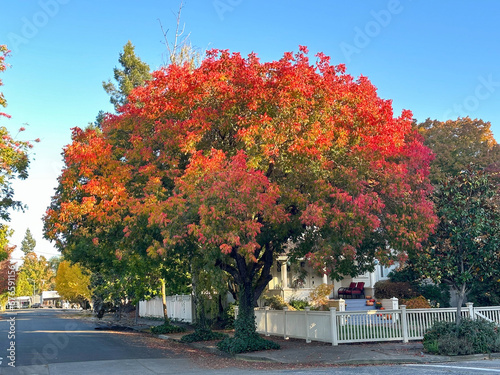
(50, 294)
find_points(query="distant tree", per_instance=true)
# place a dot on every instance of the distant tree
(28, 243)
(465, 247)
(134, 73)
(25, 286)
(37, 269)
(459, 145)
(73, 283)
(179, 50)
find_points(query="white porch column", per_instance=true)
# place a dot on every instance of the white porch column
(325, 278)
(284, 275)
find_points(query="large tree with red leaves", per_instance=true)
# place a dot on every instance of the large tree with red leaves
(233, 160)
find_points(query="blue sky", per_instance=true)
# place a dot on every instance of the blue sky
(437, 59)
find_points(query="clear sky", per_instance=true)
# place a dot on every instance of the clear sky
(439, 59)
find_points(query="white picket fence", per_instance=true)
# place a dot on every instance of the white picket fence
(338, 327)
(179, 307)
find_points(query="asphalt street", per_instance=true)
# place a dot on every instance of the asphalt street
(57, 342)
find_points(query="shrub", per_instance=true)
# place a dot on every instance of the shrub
(389, 289)
(227, 321)
(439, 295)
(470, 337)
(252, 343)
(319, 295)
(419, 302)
(298, 304)
(167, 328)
(276, 302)
(245, 338)
(486, 293)
(203, 334)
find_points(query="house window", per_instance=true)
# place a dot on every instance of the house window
(384, 271)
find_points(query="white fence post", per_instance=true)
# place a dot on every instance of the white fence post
(285, 309)
(236, 308)
(341, 304)
(395, 303)
(404, 323)
(333, 324)
(470, 307)
(308, 340)
(266, 309)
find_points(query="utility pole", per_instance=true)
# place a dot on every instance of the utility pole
(33, 301)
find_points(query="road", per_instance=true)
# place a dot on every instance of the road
(57, 342)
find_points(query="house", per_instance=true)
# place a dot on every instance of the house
(50, 299)
(298, 280)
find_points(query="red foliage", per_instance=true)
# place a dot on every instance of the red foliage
(237, 147)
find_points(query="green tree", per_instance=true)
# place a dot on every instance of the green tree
(37, 269)
(28, 243)
(25, 286)
(459, 145)
(134, 73)
(54, 263)
(14, 162)
(465, 247)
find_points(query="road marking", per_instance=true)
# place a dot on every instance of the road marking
(458, 367)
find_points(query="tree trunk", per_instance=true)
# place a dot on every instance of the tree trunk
(164, 300)
(460, 301)
(245, 322)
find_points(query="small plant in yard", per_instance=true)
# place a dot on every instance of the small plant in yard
(276, 303)
(298, 304)
(469, 337)
(319, 295)
(167, 327)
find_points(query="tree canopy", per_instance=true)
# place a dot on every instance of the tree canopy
(73, 283)
(459, 145)
(235, 159)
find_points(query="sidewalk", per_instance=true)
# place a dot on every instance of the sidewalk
(294, 351)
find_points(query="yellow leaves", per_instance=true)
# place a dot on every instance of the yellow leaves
(72, 283)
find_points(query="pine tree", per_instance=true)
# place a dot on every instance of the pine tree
(28, 243)
(134, 73)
